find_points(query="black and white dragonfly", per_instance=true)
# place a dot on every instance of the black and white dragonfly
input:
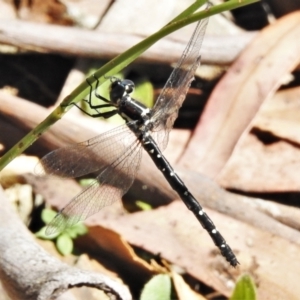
(122, 147)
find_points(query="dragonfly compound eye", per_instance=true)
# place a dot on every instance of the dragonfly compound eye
(117, 90)
(128, 85)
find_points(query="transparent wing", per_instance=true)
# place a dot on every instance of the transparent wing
(173, 94)
(109, 186)
(90, 156)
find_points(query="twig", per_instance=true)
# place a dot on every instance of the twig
(86, 43)
(27, 271)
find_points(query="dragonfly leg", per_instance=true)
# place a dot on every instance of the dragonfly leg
(104, 115)
(96, 94)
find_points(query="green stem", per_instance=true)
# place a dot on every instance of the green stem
(114, 66)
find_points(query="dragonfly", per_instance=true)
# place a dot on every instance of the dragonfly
(116, 155)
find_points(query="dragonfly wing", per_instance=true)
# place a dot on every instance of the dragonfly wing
(174, 92)
(90, 156)
(111, 184)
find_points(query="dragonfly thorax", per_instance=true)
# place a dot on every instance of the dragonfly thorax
(128, 108)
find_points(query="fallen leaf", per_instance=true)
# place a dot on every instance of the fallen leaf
(113, 251)
(179, 238)
(256, 167)
(183, 290)
(254, 77)
(281, 115)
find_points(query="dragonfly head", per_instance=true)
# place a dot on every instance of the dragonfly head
(120, 88)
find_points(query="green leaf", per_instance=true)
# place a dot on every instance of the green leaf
(244, 289)
(42, 234)
(143, 205)
(77, 230)
(158, 288)
(48, 215)
(81, 229)
(64, 244)
(86, 182)
(144, 92)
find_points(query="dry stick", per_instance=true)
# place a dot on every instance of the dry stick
(47, 38)
(205, 190)
(27, 271)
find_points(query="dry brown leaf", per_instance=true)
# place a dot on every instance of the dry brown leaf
(114, 252)
(182, 242)
(183, 290)
(281, 115)
(256, 167)
(172, 232)
(255, 75)
(259, 167)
